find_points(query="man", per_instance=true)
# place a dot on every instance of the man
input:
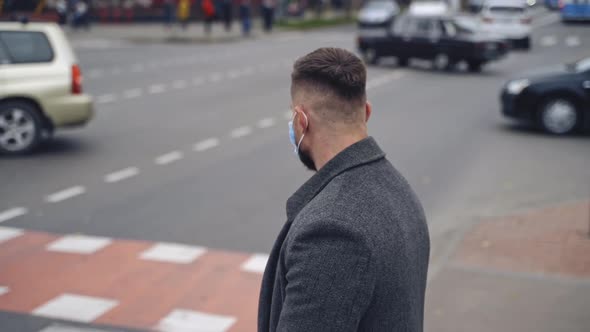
(353, 254)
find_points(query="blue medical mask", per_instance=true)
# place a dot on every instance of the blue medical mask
(292, 134)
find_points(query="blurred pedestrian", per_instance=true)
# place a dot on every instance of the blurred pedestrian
(245, 17)
(227, 13)
(184, 13)
(61, 7)
(268, 13)
(81, 15)
(208, 14)
(353, 254)
(168, 13)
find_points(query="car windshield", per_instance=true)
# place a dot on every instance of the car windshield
(582, 65)
(505, 10)
(378, 5)
(454, 28)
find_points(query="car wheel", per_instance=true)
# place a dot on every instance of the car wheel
(559, 116)
(20, 128)
(402, 62)
(370, 56)
(474, 66)
(442, 62)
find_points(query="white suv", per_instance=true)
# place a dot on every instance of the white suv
(509, 19)
(40, 85)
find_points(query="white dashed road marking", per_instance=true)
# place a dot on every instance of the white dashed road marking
(548, 41)
(74, 307)
(121, 174)
(108, 98)
(173, 253)
(169, 158)
(198, 81)
(256, 263)
(132, 93)
(65, 194)
(215, 77)
(12, 213)
(79, 244)
(266, 123)
(572, 41)
(179, 84)
(157, 88)
(240, 132)
(188, 320)
(4, 290)
(206, 144)
(9, 233)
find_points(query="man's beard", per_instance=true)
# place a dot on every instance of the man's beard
(306, 160)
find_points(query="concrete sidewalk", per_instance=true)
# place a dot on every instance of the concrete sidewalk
(528, 272)
(159, 33)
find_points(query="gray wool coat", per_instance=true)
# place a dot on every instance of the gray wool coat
(353, 254)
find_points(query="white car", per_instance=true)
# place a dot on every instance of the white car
(40, 86)
(509, 19)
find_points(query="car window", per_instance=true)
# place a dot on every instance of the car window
(449, 28)
(4, 57)
(504, 10)
(420, 27)
(26, 46)
(583, 65)
(400, 25)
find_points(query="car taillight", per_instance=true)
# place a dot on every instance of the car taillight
(526, 20)
(76, 80)
(488, 19)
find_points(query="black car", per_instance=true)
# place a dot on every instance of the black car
(436, 38)
(556, 99)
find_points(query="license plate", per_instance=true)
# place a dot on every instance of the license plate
(372, 33)
(491, 47)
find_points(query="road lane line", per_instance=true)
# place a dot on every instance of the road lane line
(133, 93)
(157, 88)
(256, 263)
(233, 74)
(104, 99)
(179, 84)
(240, 132)
(12, 213)
(206, 144)
(169, 157)
(68, 193)
(137, 68)
(188, 320)
(572, 41)
(215, 77)
(121, 174)
(198, 81)
(266, 123)
(548, 41)
(9, 233)
(116, 71)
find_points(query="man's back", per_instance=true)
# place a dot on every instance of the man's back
(360, 246)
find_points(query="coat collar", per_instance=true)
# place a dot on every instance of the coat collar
(359, 153)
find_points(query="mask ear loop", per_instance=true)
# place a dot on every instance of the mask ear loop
(302, 136)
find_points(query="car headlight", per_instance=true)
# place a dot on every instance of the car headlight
(516, 87)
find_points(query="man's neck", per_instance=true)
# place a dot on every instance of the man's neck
(330, 148)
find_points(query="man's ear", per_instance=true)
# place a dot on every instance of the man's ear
(302, 117)
(368, 111)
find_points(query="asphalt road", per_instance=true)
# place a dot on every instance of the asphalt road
(190, 143)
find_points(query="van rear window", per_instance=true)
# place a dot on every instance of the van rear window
(26, 46)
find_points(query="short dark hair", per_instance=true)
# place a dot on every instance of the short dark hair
(334, 72)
